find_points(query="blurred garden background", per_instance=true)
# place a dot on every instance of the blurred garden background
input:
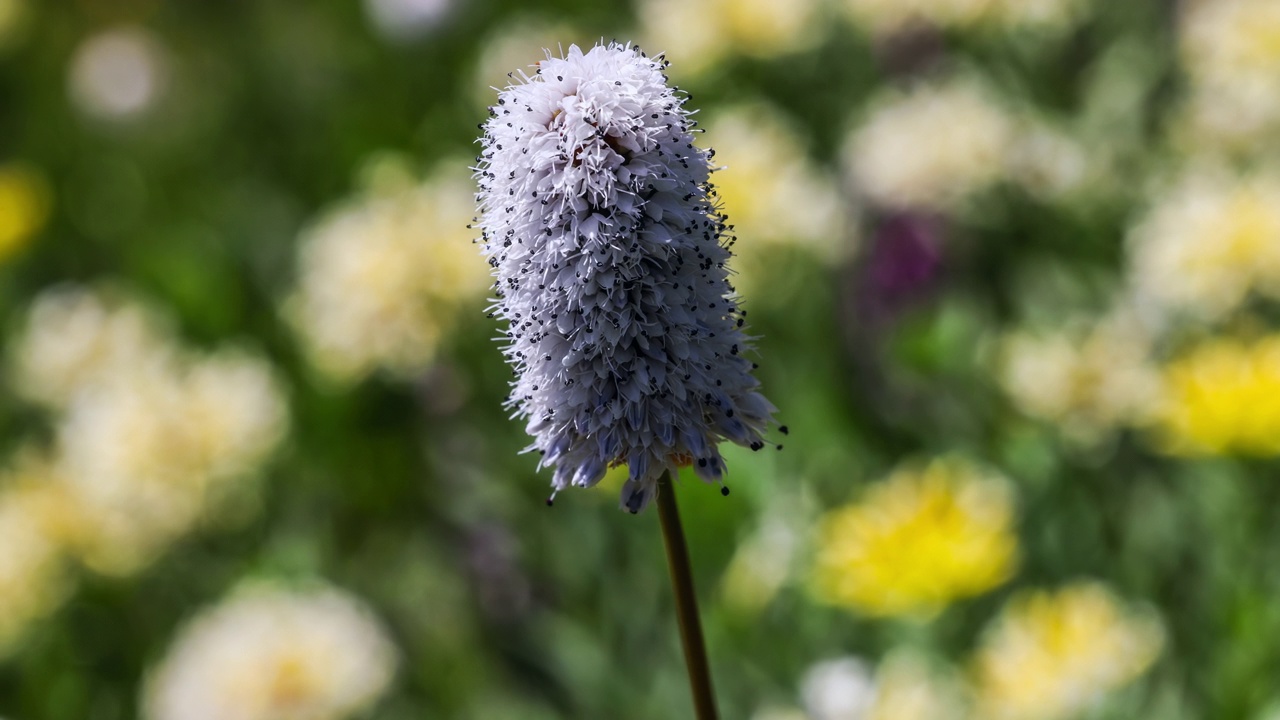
(1015, 265)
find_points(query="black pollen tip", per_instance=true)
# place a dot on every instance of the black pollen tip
(779, 447)
(550, 502)
(783, 429)
(724, 490)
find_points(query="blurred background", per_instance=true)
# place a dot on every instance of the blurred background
(1016, 269)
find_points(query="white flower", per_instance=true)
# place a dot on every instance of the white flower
(1208, 243)
(839, 689)
(609, 254)
(931, 147)
(271, 654)
(380, 278)
(150, 436)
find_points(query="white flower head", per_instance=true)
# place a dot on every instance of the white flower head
(269, 653)
(610, 257)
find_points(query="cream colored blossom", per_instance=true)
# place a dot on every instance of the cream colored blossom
(33, 572)
(1231, 52)
(887, 16)
(918, 541)
(272, 654)
(1051, 655)
(74, 338)
(909, 687)
(381, 278)
(1088, 377)
(774, 194)
(150, 437)
(146, 456)
(930, 147)
(696, 34)
(1207, 243)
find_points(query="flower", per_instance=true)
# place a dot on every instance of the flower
(150, 437)
(609, 253)
(1052, 655)
(1207, 243)
(888, 16)
(905, 686)
(118, 74)
(272, 654)
(75, 338)
(24, 207)
(697, 34)
(33, 573)
(923, 538)
(774, 193)
(1222, 397)
(838, 689)
(381, 277)
(911, 687)
(1231, 52)
(147, 456)
(1089, 377)
(931, 147)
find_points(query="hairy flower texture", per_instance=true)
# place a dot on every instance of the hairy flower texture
(1052, 655)
(1087, 378)
(1208, 243)
(1223, 397)
(511, 45)
(697, 34)
(889, 16)
(775, 195)
(273, 654)
(381, 278)
(920, 540)
(149, 436)
(1231, 51)
(931, 147)
(609, 253)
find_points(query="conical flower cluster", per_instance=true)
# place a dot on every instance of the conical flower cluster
(604, 233)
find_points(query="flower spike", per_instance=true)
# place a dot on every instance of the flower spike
(609, 255)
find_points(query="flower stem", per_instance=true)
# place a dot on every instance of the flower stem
(695, 651)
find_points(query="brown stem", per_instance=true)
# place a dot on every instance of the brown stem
(695, 651)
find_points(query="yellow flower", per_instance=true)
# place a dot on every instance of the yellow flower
(1223, 397)
(24, 207)
(918, 541)
(1052, 654)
